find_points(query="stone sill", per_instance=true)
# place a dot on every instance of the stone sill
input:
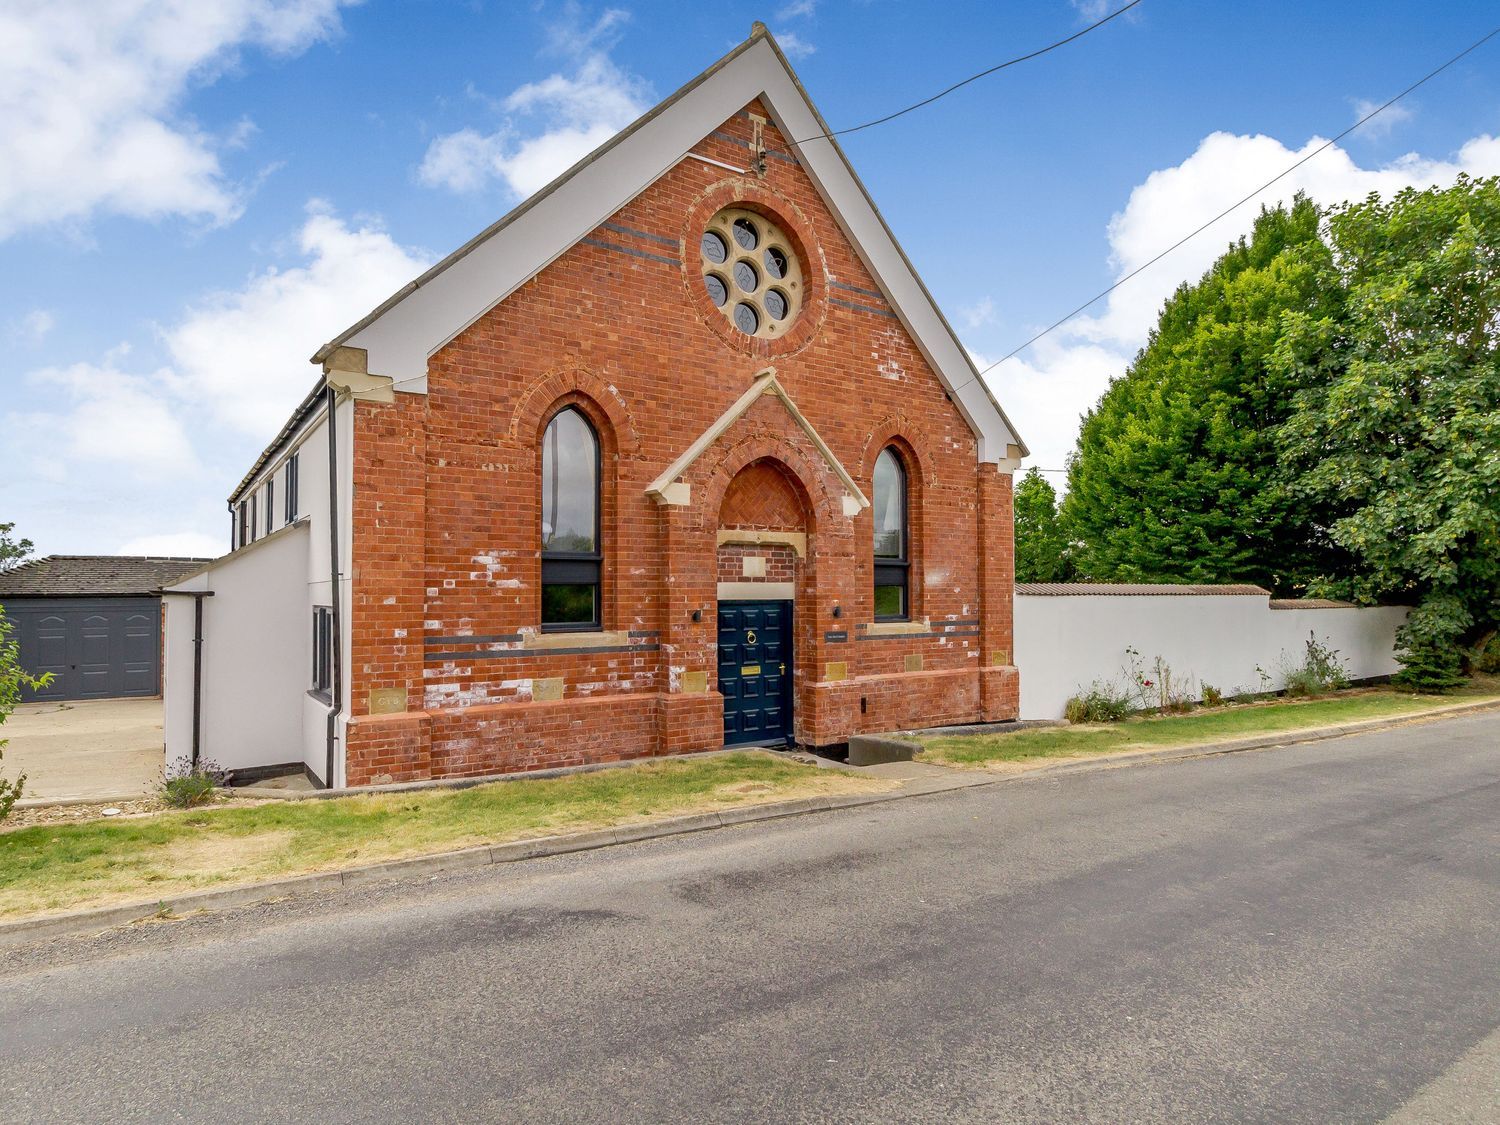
(584, 638)
(897, 628)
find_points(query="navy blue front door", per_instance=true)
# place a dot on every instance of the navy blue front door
(755, 677)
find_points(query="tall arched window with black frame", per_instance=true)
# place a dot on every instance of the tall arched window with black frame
(892, 564)
(571, 556)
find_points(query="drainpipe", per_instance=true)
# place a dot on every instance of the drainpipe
(337, 646)
(197, 596)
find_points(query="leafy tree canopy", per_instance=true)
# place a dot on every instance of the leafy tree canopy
(1041, 547)
(13, 552)
(1174, 477)
(1397, 425)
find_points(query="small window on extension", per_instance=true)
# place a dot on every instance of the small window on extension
(322, 649)
(291, 489)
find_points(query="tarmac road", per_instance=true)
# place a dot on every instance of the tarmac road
(1302, 934)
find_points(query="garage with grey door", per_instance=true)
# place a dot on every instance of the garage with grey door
(92, 621)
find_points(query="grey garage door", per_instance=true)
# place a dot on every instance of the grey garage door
(95, 648)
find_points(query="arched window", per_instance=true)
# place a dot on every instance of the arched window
(570, 523)
(892, 565)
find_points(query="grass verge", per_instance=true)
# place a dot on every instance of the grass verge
(1223, 724)
(53, 868)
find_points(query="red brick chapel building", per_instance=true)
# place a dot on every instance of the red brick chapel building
(679, 454)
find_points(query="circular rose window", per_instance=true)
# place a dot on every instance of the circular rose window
(751, 273)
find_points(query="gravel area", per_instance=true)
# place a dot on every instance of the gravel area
(79, 814)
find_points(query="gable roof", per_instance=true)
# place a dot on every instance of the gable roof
(424, 315)
(94, 576)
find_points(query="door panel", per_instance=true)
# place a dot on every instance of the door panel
(755, 661)
(95, 649)
(44, 648)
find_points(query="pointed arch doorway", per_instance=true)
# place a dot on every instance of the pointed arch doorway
(761, 547)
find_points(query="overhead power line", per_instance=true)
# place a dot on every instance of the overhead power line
(1232, 207)
(972, 78)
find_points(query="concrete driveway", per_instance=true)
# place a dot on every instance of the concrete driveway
(102, 748)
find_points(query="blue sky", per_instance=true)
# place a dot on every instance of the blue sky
(194, 194)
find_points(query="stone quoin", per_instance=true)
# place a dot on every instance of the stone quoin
(679, 454)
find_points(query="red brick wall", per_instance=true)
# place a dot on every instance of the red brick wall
(446, 555)
(781, 563)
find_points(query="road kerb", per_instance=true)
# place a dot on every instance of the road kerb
(1120, 759)
(92, 921)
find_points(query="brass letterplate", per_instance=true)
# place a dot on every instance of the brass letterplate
(749, 669)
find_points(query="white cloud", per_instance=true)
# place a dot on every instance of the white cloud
(980, 313)
(1046, 390)
(91, 103)
(1047, 387)
(116, 452)
(569, 36)
(243, 355)
(113, 419)
(1381, 124)
(1091, 9)
(797, 9)
(31, 328)
(793, 45)
(576, 113)
(176, 544)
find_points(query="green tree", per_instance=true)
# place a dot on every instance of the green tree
(12, 679)
(1397, 425)
(13, 552)
(1175, 476)
(1041, 547)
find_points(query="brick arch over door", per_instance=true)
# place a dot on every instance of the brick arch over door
(764, 495)
(808, 474)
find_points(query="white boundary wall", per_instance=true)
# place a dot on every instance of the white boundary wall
(1065, 642)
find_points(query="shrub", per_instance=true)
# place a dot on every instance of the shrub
(1486, 654)
(185, 785)
(12, 679)
(1429, 668)
(1097, 703)
(10, 791)
(1212, 696)
(1321, 671)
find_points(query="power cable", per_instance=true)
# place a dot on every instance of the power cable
(1231, 208)
(972, 78)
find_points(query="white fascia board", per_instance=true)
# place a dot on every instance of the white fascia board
(400, 341)
(402, 337)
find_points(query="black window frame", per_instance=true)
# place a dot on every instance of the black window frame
(270, 505)
(889, 571)
(322, 651)
(575, 568)
(244, 523)
(291, 489)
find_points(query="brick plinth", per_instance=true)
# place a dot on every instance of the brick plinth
(380, 749)
(513, 737)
